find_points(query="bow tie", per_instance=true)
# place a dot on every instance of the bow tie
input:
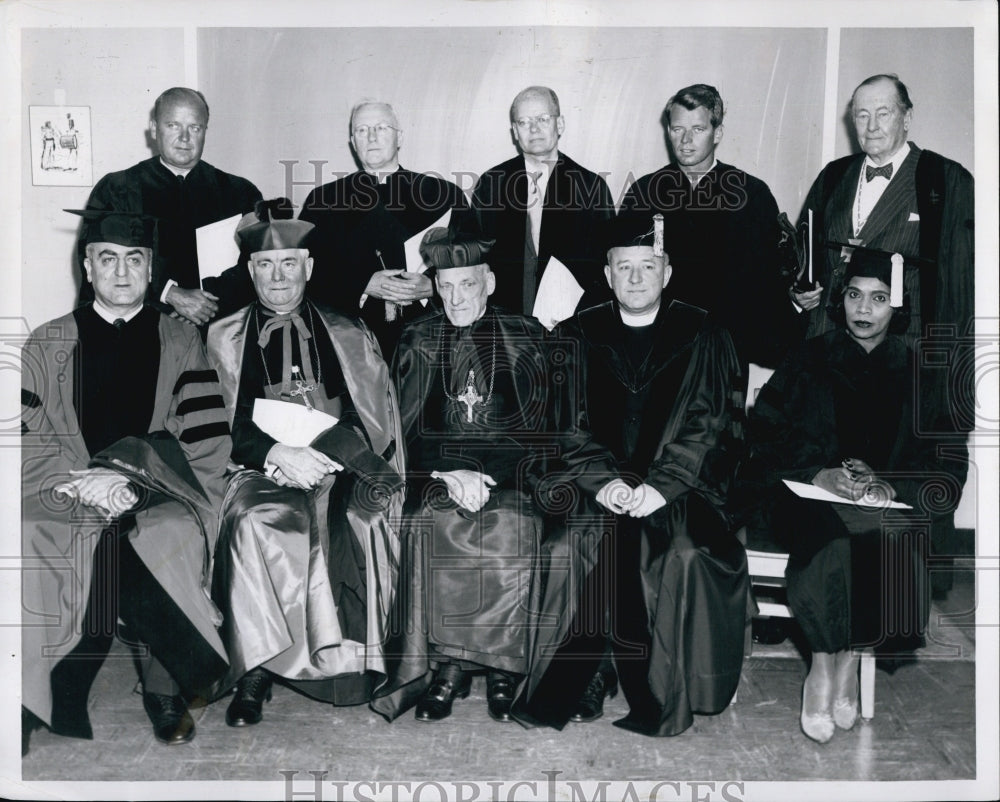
(284, 323)
(885, 171)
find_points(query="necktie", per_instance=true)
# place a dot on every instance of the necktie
(885, 171)
(535, 208)
(284, 323)
(119, 322)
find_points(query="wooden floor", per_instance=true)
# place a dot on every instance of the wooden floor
(924, 729)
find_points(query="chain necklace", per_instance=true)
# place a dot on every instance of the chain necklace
(303, 388)
(470, 396)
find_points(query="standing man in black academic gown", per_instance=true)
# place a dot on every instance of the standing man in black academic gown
(362, 222)
(541, 205)
(720, 227)
(184, 193)
(662, 394)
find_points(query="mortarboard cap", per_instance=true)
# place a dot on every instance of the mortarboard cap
(121, 228)
(444, 248)
(635, 230)
(270, 227)
(878, 264)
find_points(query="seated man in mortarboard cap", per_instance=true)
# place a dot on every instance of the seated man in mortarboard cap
(125, 442)
(497, 465)
(663, 396)
(307, 553)
(845, 412)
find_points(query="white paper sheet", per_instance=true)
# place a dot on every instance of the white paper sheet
(810, 491)
(217, 248)
(290, 424)
(557, 296)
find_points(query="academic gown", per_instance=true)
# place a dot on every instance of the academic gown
(173, 529)
(668, 412)
(575, 210)
(306, 580)
(855, 577)
(206, 195)
(473, 583)
(361, 226)
(721, 237)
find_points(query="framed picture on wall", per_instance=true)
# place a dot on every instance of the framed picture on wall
(61, 154)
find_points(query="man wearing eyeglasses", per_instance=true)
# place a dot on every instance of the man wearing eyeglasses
(542, 205)
(362, 222)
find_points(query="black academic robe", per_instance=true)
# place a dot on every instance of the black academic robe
(721, 237)
(478, 586)
(855, 577)
(576, 208)
(361, 227)
(206, 195)
(677, 578)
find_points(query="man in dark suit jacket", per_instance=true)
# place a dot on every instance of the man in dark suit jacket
(720, 229)
(898, 198)
(542, 204)
(183, 193)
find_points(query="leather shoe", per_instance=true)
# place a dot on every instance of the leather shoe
(172, 723)
(449, 682)
(248, 702)
(591, 705)
(499, 695)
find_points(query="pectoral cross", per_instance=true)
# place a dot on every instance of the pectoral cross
(470, 397)
(302, 388)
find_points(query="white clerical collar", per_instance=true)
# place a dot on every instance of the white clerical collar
(381, 176)
(181, 171)
(108, 315)
(638, 321)
(896, 161)
(698, 176)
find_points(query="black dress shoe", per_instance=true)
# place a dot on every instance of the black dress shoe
(449, 682)
(172, 724)
(248, 702)
(591, 705)
(499, 695)
(769, 631)
(29, 723)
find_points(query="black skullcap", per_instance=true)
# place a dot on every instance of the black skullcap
(270, 227)
(121, 228)
(634, 229)
(443, 248)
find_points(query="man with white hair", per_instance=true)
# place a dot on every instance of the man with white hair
(362, 221)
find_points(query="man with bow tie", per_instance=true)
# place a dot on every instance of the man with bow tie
(898, 198)
(305, 567)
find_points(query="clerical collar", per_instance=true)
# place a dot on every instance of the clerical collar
(638, 321)
(111, 316)
(381, 176)
(181, 171)
(696, 179)
(896, 161)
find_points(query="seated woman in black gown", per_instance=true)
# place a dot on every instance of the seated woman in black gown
(842, 413)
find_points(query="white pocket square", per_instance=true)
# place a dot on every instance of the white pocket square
(914, 218)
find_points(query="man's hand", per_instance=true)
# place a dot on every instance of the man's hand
(855, 481)
(301, 467)
(197, 306)
(623, 500)
(807, 300)
(468, 489)
(399, 286)
(103, 489)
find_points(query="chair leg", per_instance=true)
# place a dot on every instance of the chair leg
(867, 684)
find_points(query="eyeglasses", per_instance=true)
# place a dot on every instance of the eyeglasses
(362, 131)
(541, 121)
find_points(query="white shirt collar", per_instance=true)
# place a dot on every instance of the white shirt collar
(176, 170)
(106, 314)
(638, 321)
(897, 158)
(381, 176)
(697, 180)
